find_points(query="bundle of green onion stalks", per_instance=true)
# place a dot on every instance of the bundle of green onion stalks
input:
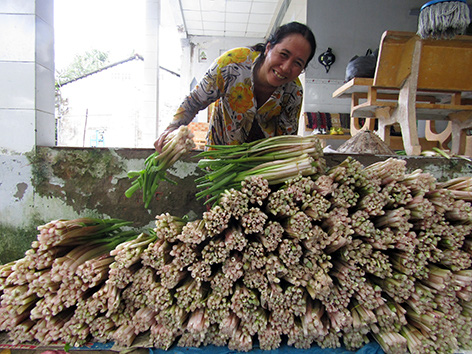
(176, 144)
(353, 255)
(275, 159)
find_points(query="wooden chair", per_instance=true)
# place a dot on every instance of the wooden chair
(416, 79)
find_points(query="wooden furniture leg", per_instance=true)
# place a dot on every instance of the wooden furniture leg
(443, 138)
(460, 121)
(355, 126)
(405, 112)
(468, 146)
(384, 116)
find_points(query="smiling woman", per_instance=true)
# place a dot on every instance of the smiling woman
(245, 82)
(281, 63)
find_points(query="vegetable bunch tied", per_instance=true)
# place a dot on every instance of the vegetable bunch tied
(276, 159)
(176, 144)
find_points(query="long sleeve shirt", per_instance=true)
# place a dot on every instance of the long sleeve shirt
(230, 83)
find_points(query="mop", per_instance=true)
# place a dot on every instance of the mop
(443, 19)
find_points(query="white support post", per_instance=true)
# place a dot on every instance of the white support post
(27, 72)
(148, 127)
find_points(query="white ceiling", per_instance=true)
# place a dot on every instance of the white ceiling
(228, 18)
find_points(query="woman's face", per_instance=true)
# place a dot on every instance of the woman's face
(284, 61)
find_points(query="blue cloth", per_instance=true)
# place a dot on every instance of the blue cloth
(95, 346)
(370, 348)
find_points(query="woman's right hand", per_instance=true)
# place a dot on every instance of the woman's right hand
(160, 142)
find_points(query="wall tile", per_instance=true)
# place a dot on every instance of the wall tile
(18, 45)
(17, 6)
(44, 44)
(17, 133)
(17, 85)
(45, 129)
(44, 89)
(45, 10)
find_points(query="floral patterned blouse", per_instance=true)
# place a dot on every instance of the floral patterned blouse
(229, 83)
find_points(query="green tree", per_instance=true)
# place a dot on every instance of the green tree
(81, 65)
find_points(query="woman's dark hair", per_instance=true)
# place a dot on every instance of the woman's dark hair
(285, 30)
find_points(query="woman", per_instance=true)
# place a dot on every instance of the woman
(256, 90)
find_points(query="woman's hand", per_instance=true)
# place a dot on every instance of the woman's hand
(159, 143)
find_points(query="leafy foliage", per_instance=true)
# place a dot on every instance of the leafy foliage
(82, 64)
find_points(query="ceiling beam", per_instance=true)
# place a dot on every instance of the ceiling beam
(178, 14)
(280, 15)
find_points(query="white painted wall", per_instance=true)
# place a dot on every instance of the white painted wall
(26, 101)
(27, 74)
(107, 104)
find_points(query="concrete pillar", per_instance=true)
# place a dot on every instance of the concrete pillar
(27, 75)
(149, 122)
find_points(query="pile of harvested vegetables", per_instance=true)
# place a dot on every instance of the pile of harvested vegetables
(336, 257)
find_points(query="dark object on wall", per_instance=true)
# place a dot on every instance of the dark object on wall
(443, 19)
(363, 66)
(327, 59)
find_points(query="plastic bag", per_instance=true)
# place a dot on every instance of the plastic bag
(363, 66)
